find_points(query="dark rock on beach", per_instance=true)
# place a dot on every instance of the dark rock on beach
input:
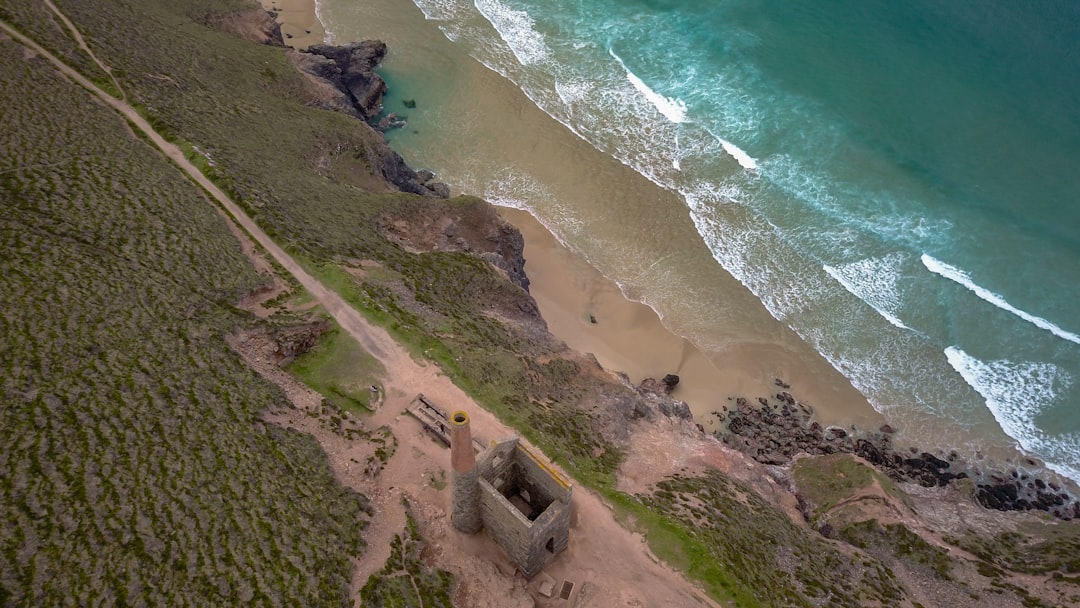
(351, 68)
(773, 432)
(670, 381)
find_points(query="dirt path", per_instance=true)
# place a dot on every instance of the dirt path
(608, 565)
(77, 35)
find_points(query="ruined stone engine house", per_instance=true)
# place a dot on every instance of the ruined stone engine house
(523, 503)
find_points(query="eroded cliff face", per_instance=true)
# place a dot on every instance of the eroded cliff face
(251, 23)
(467, 226)
(343, 79)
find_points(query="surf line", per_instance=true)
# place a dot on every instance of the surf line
(674, 109)
(959, 276)
(853, 289)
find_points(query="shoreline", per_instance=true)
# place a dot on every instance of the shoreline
(589, 312)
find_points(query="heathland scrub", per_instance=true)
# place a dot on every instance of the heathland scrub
(224, 99)
(405, 375)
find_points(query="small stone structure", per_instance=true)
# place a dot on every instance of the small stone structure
(523, 503)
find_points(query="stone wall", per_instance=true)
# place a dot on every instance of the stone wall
(507, 468)
(465, 514)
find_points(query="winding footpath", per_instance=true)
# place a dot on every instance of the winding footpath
(614, 560)
(374, 339)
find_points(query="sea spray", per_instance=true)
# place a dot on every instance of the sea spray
(843, 170)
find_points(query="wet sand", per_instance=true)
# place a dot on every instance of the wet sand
(627, 336)
(300, 26)
(589, 312)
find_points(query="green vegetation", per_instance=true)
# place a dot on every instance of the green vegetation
(340, 370)
(1054, 548)
(826, 481)
(438, 481)
(134, 468)
(35, 20)
(746, 549)
(898, 540)
(404, 581)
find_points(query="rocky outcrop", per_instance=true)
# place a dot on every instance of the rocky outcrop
(774, 431)
(296, 340)
(351, 69)
(249, 23)
(395, 170)
(467, 226)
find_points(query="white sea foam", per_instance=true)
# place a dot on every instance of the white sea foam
(740, 155)
(438, 10)
(571, 92)
(327, 34)
(517, 30)
(873, 281)
(672, 108)
(959, 276)
(1015, 393)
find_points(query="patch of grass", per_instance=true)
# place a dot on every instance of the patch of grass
(340, 370)
(438, 481)
(404, 580)
(827, 480)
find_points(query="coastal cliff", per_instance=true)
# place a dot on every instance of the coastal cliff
(900, 522)
(184, 471)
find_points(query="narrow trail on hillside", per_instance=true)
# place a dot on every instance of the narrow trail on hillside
(374, 339)
(77, 35)
(614, 560)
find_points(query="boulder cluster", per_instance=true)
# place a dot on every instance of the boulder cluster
(349, 71)
(774, 431)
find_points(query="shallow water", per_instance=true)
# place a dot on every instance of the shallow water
(890, 186)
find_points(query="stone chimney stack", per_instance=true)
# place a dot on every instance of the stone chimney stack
(465, 486)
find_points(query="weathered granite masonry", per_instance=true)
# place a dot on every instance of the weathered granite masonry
(465, 515)
(523, 503)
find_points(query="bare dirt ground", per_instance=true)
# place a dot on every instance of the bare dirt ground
(608, 565)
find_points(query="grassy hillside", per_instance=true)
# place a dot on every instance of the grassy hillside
(133, 466)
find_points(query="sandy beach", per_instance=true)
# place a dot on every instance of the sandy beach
(588, 311)
(627, 336)
(300, 26)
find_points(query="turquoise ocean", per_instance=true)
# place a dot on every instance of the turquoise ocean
(897, 182)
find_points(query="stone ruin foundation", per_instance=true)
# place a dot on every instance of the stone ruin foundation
(522, 502)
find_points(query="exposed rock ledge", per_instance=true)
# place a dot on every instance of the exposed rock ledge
(773, 431)
(343, 79)
(467, 226)
(351, 69)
